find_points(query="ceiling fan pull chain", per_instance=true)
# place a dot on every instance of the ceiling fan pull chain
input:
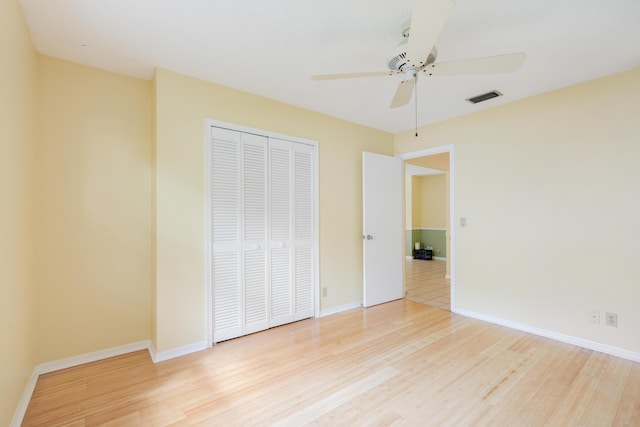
(415, 95)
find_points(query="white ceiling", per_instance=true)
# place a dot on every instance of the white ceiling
(272, 47)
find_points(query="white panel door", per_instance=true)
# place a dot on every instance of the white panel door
(382, 229)
(254, 227)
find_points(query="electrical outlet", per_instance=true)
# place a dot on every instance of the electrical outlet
(611, 319)
(594, 316)
(324, 292)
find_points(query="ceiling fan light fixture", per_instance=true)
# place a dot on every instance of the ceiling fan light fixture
(417, 53)
(484, 97)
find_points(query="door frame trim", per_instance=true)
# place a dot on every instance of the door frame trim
(452, 224)
(208, 243)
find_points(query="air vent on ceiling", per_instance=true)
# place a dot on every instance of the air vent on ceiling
(484, 97)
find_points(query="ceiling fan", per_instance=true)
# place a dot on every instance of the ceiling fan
(416, 54)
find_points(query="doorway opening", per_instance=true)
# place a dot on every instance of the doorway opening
(429, 227)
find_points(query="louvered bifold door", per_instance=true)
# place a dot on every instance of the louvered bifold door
(263, 232)
(303, 231)
(280, 230)
(254, 226)
(226, 234)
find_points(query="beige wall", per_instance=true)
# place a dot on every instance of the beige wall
(182, 105)
(416, 202)
(537, 180)
(17, 139)
(408, 201)
(93, 211)
(430, 210)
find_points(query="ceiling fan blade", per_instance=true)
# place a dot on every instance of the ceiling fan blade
(485, 65)
(428, 20)
(352, 75)
(403, 93)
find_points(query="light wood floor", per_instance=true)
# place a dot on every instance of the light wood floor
(396, 364)
(425, 283)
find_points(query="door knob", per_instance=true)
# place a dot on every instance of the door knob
(369, 237)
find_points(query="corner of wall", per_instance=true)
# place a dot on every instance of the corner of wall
(18, 110)
(153, 332)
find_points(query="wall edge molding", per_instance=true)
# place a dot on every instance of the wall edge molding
(568, 339)
(161, 356)
(152, 351)
(341, 308)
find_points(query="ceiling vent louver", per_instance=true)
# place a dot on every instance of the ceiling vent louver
(484, 97)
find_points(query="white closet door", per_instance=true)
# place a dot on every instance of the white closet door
(281, 222)
(263, 232)
(303, 231)
(226, 234)
(254, 226)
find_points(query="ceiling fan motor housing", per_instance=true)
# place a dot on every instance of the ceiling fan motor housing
(397, 60)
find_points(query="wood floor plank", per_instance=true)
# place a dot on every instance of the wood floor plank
(337, 399)
(628, 413)
(609, 387)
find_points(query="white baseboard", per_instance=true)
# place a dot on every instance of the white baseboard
(161, 356)
(152, 351)
(56, 365)
(437, 258)
(339, 309)
(591, 345)
(23, 403)
(70, 362)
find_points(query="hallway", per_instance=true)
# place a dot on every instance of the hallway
(426, 284)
